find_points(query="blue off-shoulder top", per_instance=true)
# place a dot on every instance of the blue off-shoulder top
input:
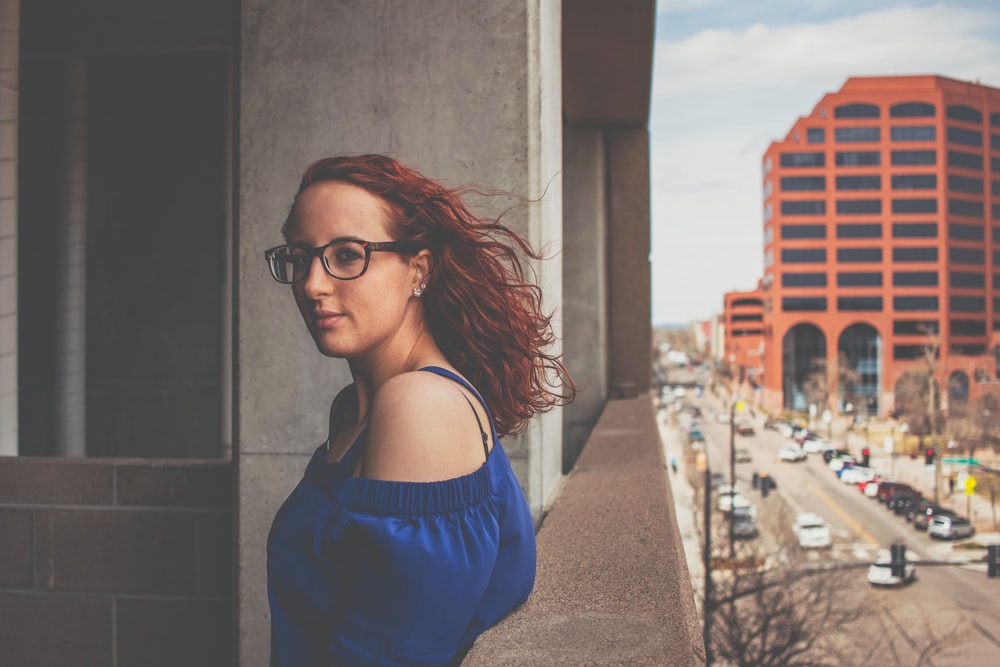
(371, 572)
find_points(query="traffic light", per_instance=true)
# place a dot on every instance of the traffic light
(929, 456)
(865, 456)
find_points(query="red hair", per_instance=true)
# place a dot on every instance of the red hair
(483, 313)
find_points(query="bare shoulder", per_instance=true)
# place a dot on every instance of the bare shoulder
(421, 429)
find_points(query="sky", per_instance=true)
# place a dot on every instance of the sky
(731, 76)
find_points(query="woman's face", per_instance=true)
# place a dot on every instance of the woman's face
(351, 318)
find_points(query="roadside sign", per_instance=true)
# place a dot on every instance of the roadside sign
(970, 485)
(960, 460)
(888, 443)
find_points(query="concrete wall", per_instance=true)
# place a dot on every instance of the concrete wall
(465, 91)
(9, 40)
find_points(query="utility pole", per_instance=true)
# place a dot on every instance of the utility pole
(732, 480)
(707, 557)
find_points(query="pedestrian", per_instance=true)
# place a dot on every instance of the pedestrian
(409, 534)
(673, 464)
(951, 484)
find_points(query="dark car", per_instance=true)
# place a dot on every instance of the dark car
(886, 489)
(830, 453)
(744, 428)
(924, 512)
(900, 501)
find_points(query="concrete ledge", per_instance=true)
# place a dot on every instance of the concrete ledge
(613, 587)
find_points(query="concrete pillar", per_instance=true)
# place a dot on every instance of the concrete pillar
(631, 336)
(9, 38)
(466, 92)
(585, 302)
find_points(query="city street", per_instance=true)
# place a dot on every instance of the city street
(950, 615)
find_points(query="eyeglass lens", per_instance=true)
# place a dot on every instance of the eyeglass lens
(343, 259)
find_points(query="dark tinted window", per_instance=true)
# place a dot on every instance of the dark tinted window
(815, 135)
(968, 304)
(995, 164)
(914, 181)
(995, 119)
(915, 303)
(747, 318)
(996, 284)
(859, 182)
(966, 279)
(791, 304)
(914, 327)
(748, 302)
(967, 327)
(914, 279)
(846, 255)
(803, 159)
(844, 135)
(859, 279)
(996, 258)
(913, 133)
(995, 188)
(856, 110)
(972, 209)
(964, 112)
(803, 231)
(854, 303)
(965, 160)
(858, 158)
(914, 254)
(803, 280)
(914, 157)
(901, 230)
(859, 206)
(965, 184)
(907, 351)
(912, 110)
(995, 141)
(967, 255)
(807, 255)
(968, 350)
(957, 230)
(808, 207)
(959, 135)
(862, 231)
(995, 212)
(799, 183)
(914, 205)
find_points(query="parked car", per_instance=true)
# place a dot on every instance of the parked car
(812, 531)
(950, 527)
(830, 453)
(816, 445)
(900, 502)
(922, 513)
(885, 489)
(717, 479)
(837, 463)
(745, 428)
(791, 453)
(880, 572)
(743, 455)
(729, 501)
(744, 522)
(856, 474)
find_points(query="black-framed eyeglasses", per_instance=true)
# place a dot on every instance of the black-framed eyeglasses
(344, 259)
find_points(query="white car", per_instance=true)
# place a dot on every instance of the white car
(880, 572)
(791, 453)
(812, 531)
(857, 474)
(816, 445)
(786, 429)
(729, 500)
(838, 462)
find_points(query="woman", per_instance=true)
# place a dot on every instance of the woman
(409, 534)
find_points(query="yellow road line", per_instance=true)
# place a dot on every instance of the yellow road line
(864, 534)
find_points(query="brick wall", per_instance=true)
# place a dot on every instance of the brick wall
(115, 562)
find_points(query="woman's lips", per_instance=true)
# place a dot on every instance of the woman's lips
(325, 319)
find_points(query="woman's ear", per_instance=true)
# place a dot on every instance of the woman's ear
(423, 264)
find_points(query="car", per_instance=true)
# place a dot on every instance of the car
(744, 428)
(786, 429)
(880, 573)
(717, 479)
(743, 455)
(762, 480)
(816, 445)
(921, 514)
(950, 527)
(695, 435)
(830, 453)
(728, 501)
(791, 453)
(722, 417)
(885, 489)
(812, 531)
(744, 522)
(856, 474)
(901, 501)
(837, 463)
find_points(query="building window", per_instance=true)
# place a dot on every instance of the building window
(957, 230)
(914, 157)
(995, 119)
(914, 279)
(858, 206)
(792, 304)
(965, 184)
(996, 281)
(747, 318)
(861, 231)
(803, 231)
(768, 235)
(914, 254)
(995, 188)
(967, 327)
(850, 135)
(968, 304)
(907, 351)
(914, 206)
(913, 133)
(859, 279)
(965, 160)
(768, 211)
(967, 255)
(856, 303)
(859, 182)
(958, 135)
(968, 350)
(996, 258)
(915, 303)
(914, 181)
(738, 303)
(995, 212)
(802, 183)
(815, 135)
(859, 255)
(803, 280)
(966, 279)
(914, 230)
(805, 207)
(971, 209)
(768, 258)
(995, 142)
(803, 256)
(964, 112)
(858, 158)
(915, 327)
(803, 159)
(995, 164)
(856, 110)
(912, 110)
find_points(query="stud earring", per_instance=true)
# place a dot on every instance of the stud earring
(417, 291)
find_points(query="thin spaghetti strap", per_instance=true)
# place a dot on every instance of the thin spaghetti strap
(479, 423)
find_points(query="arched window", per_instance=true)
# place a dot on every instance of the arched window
(912, 110)
(856, 110)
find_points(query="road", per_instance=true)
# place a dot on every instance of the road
(949, 616)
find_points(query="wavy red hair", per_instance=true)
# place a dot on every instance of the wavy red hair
(482, 311)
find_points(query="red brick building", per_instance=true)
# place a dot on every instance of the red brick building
(882, 240)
